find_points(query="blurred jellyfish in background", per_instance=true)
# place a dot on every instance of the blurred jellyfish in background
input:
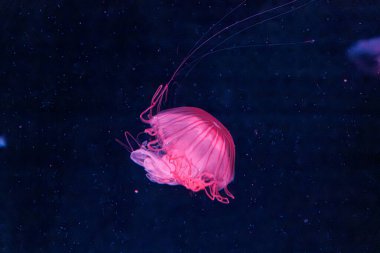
(365, 54)
(3, 142)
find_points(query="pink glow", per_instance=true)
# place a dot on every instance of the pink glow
(189, 147)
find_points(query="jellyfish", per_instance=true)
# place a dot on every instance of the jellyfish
(3, 142)
(186, 145)
(365, 54)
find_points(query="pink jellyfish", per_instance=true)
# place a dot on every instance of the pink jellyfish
(188, 146)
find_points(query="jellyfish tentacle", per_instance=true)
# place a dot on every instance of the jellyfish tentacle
(217, 23)
(229, 194)
(199, 45)
(156, 101)
(192, 64)
(128, 145)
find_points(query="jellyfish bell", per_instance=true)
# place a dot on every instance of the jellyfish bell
(188, 147)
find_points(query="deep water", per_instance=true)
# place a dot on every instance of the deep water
(74, 75)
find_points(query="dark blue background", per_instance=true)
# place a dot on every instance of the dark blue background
(75, 74)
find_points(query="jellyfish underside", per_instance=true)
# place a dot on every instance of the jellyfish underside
(188, 147)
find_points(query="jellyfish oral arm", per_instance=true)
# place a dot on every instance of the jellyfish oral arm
(158, 168)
